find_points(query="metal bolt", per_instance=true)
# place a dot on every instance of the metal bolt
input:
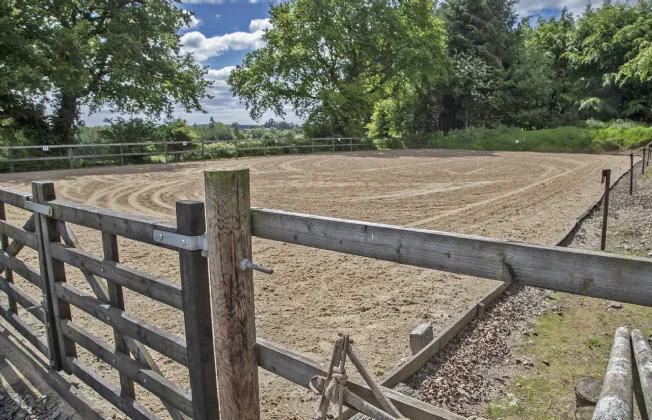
(246, 264)
(160, 236)
(183, 242)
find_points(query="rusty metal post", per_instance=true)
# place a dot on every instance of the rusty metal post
(606, 179)
(631, 173)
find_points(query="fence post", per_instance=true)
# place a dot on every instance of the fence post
(643, 163)
(313, 145)
(631, 173)
(52, 272)
(232, 289)
(122, 158)
(166, 152)
(203, 150)
(351, 144)
(606, 179)
(195, 289)
(11, 164)
(333, 144)
(72, 161)
(382, 144)
(9, 276)
(236, 148)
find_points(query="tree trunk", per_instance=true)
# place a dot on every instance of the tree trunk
(65, 118)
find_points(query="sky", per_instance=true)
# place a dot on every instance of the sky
(222, 32)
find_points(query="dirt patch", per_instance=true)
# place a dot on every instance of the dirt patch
(314, 294)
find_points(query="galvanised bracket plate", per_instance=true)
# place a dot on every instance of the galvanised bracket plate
(189, 243)
(38, 208)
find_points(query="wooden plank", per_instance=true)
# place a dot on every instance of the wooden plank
(98, 285)
(616, 397)
(24, 356)
(4, 243)
(107, 391)
(24, 329)
(588, 273)
(16, 233)
(53, 272)
(116, 299)
(300, 369)
(136, 280)
(232, 291)
(15, 247)
(13, 197)
(643, 355)
(139, 351)
(410, 367)
(110, 221)
(25, 300)
(159, 340)
(19, 267)
(148, 379)
(197, 314)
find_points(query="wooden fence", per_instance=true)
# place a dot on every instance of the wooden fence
(223, 348)
(121, 153)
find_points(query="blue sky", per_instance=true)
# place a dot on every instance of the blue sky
(223, 31)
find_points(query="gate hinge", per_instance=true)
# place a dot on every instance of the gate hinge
(189, 243)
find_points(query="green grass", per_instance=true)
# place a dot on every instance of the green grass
(577, 344)
(562, 139)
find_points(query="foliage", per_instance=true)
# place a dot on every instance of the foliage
(121, 55)
(331, 60)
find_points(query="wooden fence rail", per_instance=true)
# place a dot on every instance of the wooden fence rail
(232, 318)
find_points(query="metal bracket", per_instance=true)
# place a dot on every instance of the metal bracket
(38, 208)
(189, 243)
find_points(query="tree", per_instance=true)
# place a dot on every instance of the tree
(332, 60)
(123, 55)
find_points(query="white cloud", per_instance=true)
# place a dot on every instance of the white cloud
(204, 48)
(221, 74)
(218, 16)
(576, 7)
(204, 1)
(259, 25)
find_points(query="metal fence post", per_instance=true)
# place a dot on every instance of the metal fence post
(313, 145)
(333, 144)
(351, 144)
(195, 289)
(631, 173)
(643, 163)
(166, 152)
(72, 162)
(203, 150)
(52, 272)
(122, 158)
(606, 179)
(232, 289)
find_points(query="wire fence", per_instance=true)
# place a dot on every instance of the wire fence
(45, 157)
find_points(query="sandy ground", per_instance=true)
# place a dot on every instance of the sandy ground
(313, 294)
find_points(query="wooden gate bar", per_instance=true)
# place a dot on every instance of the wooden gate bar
(131, 278)
(165, 343)
(24, 329)
(158, 385)
(232, 291)
(107, 391)
(19, 267)
(25, 300)
(197, 314)
(52, 272)
(574, 271)
(139, 351)
(4, 243)
(116, 299)
(15, 247)
(17, 234)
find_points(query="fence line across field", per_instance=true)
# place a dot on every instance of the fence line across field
(202, 248)
(321, 144)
